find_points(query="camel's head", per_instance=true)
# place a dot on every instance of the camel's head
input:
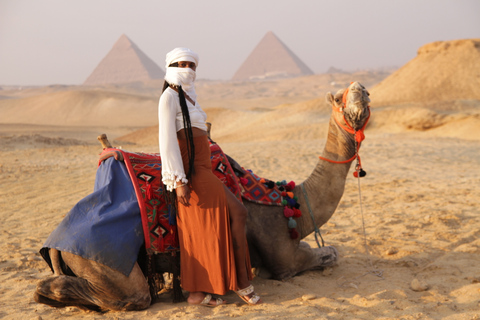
(353, 103)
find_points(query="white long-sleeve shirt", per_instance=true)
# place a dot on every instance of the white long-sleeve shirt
(170, 121)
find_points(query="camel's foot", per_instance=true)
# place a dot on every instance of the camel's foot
(325, 257)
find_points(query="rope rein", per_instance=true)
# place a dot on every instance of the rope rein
(317, 230)
(371, 268)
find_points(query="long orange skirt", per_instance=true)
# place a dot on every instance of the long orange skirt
(206, 248)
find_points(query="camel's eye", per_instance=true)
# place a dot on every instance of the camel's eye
(337, 100)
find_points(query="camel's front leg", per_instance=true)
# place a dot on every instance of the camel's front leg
(291, 260)
(303, 258)
(270, 242)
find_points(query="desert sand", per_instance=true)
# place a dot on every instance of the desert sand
(407, 233)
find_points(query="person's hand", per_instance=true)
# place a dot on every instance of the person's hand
(183, 195)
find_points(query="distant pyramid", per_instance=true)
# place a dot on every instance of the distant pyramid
(271, 58)
(124, 63)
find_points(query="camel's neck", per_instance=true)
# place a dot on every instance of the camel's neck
(325, 186)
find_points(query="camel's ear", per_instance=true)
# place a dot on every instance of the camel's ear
(329, 98)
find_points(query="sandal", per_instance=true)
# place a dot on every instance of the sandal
(243, 294)
(206, 301)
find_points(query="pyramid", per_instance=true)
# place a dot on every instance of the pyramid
(441, 71)
(124, 63)
(271, 58)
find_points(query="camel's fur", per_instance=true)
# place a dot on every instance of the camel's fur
(99, 287)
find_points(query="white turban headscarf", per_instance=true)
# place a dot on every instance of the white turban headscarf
(184, 77)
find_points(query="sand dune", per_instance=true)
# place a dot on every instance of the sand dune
(442, 71)
(135, 105)
(267, 124)
(417, 225)
(77, 108)
(462, 125)
(308, 120)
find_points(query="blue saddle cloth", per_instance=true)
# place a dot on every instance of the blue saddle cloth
(106, 225)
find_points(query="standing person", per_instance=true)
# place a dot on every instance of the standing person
(210, 220)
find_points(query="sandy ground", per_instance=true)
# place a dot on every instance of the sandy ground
(418, 223)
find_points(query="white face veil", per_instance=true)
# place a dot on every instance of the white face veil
(184, 77)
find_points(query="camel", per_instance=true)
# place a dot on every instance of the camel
(268, 238)
(93, 286)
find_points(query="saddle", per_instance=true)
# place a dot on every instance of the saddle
(145, 171)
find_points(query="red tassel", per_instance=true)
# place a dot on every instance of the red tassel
(297, 213)
(284, 194)
(360, 173)
(149, 191)
(289, 186)
(293, 233)
(243, 181)
(359, 136)
(287, 212)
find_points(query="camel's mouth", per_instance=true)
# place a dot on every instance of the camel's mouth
(356, 101)
(356, 95)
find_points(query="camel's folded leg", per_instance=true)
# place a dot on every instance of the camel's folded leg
(63, 291)
(96, 287)
(109, 288)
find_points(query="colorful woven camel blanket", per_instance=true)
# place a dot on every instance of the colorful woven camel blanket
(260, 190)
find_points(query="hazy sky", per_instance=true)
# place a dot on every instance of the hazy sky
(62, 41)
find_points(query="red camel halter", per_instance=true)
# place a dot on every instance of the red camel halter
(358, 134)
